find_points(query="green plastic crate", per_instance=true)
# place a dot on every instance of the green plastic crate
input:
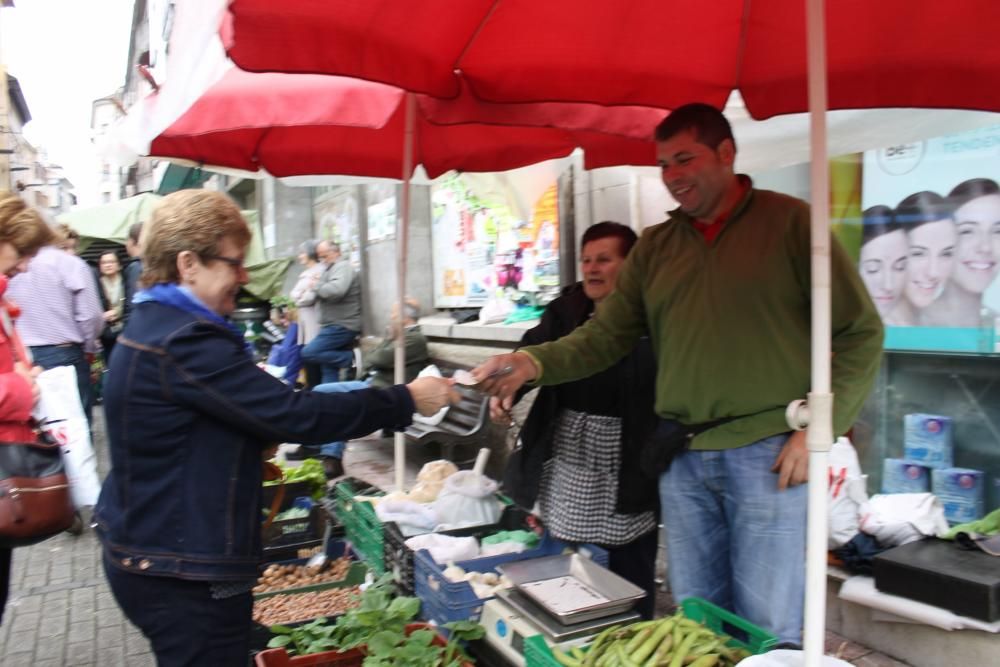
(744, 633)
(361, 525)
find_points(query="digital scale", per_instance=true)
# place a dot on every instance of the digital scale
(511, 617)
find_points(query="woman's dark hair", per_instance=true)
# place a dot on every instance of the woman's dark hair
(710, 127)
(608, 229)
(308, 248)
(877, 221)
(972, 188)
(921, 208)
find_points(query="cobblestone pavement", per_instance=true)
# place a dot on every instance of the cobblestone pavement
(60, 611)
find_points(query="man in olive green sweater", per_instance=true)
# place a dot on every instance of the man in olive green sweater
(723, 290)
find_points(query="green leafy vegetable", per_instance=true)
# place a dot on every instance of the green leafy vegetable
(378, 625)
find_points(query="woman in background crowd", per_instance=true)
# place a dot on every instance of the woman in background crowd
(883, 264)
(190, 417)
(112, 293)
(976, 203)
(930, 232)
(580, 445)
(304, 297)
(22, 233)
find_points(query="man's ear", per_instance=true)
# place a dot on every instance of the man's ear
(727, 152)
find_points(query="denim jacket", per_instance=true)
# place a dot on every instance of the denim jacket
(188, 417)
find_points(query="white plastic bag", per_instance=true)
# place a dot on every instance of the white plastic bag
(846, 493)
(60, 414)
(467, 499)
(496, 309)
(445, 548)
(412, 518)
(898, 518)
(435, 419)
(430, 480)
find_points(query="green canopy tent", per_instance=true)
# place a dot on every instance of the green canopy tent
(111, 222)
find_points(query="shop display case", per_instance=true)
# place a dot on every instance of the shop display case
(965, 387)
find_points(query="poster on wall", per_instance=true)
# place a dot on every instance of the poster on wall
(930, 241)
(381, 208)
(484, 242)
(336, 219)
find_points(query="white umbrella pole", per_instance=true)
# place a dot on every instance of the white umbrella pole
(402, 232)
(820, 434)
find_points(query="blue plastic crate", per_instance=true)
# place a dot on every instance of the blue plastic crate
(431, 585)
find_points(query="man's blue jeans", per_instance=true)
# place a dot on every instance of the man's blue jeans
(331, 349)
(733, 538)
(51, 356)
(336, 449)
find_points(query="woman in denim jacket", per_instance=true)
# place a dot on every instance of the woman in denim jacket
(189, 417)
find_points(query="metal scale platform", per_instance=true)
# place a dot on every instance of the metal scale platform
(511, 617)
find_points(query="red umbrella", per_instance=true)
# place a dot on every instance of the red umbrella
(299, 124)
(889, 53)
(663, 53)
(305, 124)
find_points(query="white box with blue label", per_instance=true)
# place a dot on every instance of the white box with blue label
(961, 491)
(904, 476)
(927, 440)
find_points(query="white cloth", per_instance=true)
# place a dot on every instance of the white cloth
(305, 302)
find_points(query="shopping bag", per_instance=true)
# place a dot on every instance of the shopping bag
(59, 414)
(846, 492)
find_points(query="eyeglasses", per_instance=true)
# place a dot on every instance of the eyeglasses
(237, 264)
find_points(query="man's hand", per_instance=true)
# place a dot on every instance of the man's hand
(110, 315)
(430, 394)
(500, 410)
(29, 374)
(495, 379)
(792, 464)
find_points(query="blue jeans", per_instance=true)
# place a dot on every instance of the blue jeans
(336, 449)
(331, 349)
(51, 356)
(733, 538)
(185, 625)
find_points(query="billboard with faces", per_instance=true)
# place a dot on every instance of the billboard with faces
(930, 241)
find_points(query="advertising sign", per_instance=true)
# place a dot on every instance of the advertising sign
(930, 241)
(481, 244)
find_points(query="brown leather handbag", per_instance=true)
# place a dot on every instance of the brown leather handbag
(35, 501)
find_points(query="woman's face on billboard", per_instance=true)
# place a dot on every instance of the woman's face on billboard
(883, 269)
(931, 257)
(977, 223)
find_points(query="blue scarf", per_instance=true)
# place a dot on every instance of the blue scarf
(171, 294)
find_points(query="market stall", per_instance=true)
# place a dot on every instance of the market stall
(471, 578)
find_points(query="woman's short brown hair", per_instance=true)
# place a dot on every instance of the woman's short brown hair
(22, 226)
(195, 220)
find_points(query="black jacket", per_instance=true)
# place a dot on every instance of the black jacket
(626, 390)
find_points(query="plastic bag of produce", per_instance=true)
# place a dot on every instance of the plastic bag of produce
(412, 518)
(430, 480)
(467, 499)
(444, 548)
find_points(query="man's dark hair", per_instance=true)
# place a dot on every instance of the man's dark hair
(707, 123)
(608, 229)
(134, 231)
